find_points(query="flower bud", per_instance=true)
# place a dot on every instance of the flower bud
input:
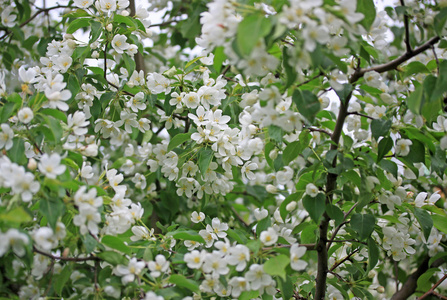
(291, 206)
(68, 36)
(95, 54)
(125, 13)
(271, 189)
(109, 27)
(32, 164)
(273, 154)
(380, 289)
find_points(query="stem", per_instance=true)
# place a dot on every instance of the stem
(336, 264)
(407, 29)
(42, 10)
(409, 287)
(66, 258)
(395, 62)
(320, 289)
(432, 290)
(361, 115)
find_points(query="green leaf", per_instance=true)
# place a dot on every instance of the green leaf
(78, 23)
(54, 113)
(385, 145)
(380, 128)
(309, 234)
(62, 278)
(440, 222)
(417, 152)
(184, 282)
(291, 152)
(415, 67)
(6, 112)
(315, 206)
(276, 133)
(17, 151)
(268, 148)
(363, 224)
(282, 208)
(219, 58)
(424, 220)
(237, 235)
(373, 253)
(205, 158)
(307, 104)
(96, 30)
(129, 62)
(250, 30)
(291, 74)
(286, 287)
(367, 8)
(415, 100)
(188, 235)
(16, 215)
(115, 243)
(248, 295)
(335, 213)
(344, 93)
(112, 257)
(178, 139)
(389, 166)
(424, 282)
(52, 210)
(439, 21)
(263, 225)
(276, 266)
(125, 20)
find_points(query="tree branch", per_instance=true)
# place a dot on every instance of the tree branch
(432, 290)
(409, 287)
(395, 62)
(407, 29)
(66, 258)
(42, 10)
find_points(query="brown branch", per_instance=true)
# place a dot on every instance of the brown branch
(396, 274)
(395, 62)
(432, 290)
(409, 287)
(309, 247)
(54, 257)
(436, 58)
(439, 295)
(42, 10)
(320, 130)
(361, 115)
(341, 225)
(163, 23)
(336, 264)
(310, 79)
(407, 29)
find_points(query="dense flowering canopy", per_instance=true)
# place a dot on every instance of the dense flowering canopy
(304, 144)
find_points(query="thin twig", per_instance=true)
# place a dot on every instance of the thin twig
(432, 290)
(395, 62)
(54, 257)
(361, 115)
(320, 130)
(396, 274)
(347, 257)
(407, 29)
(436, 58)
(42, 10)
(163, 23)
(341, 225)
(310, 79)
